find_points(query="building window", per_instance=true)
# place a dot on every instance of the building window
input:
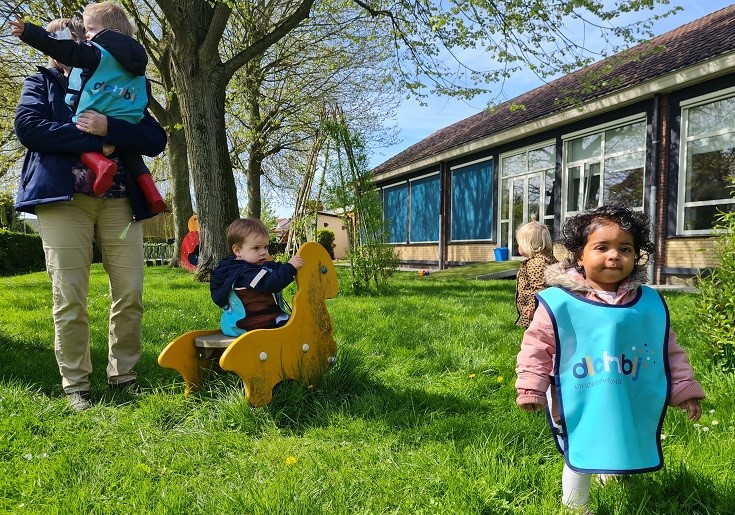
(395, 212)
(424, 203)
(471, 196)
(526, 191)
(707, 163)
(605, 166)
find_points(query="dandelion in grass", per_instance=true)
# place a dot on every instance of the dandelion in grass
(472, 376)
(499, 379)
(291, 460)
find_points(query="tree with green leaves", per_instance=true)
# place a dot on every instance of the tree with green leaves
(166, 107)
(716, 304)
(276, 100)
(426, 38)
(423, 35)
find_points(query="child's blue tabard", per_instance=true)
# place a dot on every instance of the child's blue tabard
(234, 311)
(611, 373)
(110, 90)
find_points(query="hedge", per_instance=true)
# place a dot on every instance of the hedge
(325, 237)
(20, 253)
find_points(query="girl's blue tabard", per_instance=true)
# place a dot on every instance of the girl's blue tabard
(110, 90)
(611, 374)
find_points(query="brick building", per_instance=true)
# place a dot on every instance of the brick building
(657, 132)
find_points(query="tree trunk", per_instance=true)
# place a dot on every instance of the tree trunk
(256, 151)
(180, 188)
(200, 79)
(169, 115)
(200, 90)
(254, 172)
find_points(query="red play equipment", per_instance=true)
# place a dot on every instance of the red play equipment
(190, 246)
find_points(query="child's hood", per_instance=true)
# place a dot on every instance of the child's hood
(128, 51)
(566, 276)
(222, 277)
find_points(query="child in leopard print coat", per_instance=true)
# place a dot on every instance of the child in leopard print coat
(534, 243)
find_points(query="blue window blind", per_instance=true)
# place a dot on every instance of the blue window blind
(472, 193)
(425, 203)
(395, 212)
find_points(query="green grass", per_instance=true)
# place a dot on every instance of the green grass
(418, 416)
(472, 271)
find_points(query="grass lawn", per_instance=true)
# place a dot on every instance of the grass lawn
(418, 416)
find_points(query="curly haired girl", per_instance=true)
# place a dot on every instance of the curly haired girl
(603, 338)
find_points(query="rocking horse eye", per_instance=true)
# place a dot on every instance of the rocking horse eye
(323, 269)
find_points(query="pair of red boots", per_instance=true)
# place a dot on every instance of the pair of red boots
(105, 169)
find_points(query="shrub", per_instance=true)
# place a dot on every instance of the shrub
(717, 303)
(22, 226)
(325, 237)
(20, 253)
(276, 248)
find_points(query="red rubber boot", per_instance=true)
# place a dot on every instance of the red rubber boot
(103, 168)
(155, 201)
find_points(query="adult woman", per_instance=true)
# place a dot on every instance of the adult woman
(57, 188)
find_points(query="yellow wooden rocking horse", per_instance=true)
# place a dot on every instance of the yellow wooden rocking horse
(303, 349)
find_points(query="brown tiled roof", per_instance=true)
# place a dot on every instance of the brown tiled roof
(698, 41)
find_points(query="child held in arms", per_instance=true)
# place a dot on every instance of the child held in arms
(107, 76)
(246, 285)
(605, 340)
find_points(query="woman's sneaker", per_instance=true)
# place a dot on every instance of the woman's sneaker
(80, 400)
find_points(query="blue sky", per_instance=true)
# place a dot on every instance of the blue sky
(416, 122)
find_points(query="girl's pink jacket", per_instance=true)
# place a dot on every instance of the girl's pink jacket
(535, 362)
